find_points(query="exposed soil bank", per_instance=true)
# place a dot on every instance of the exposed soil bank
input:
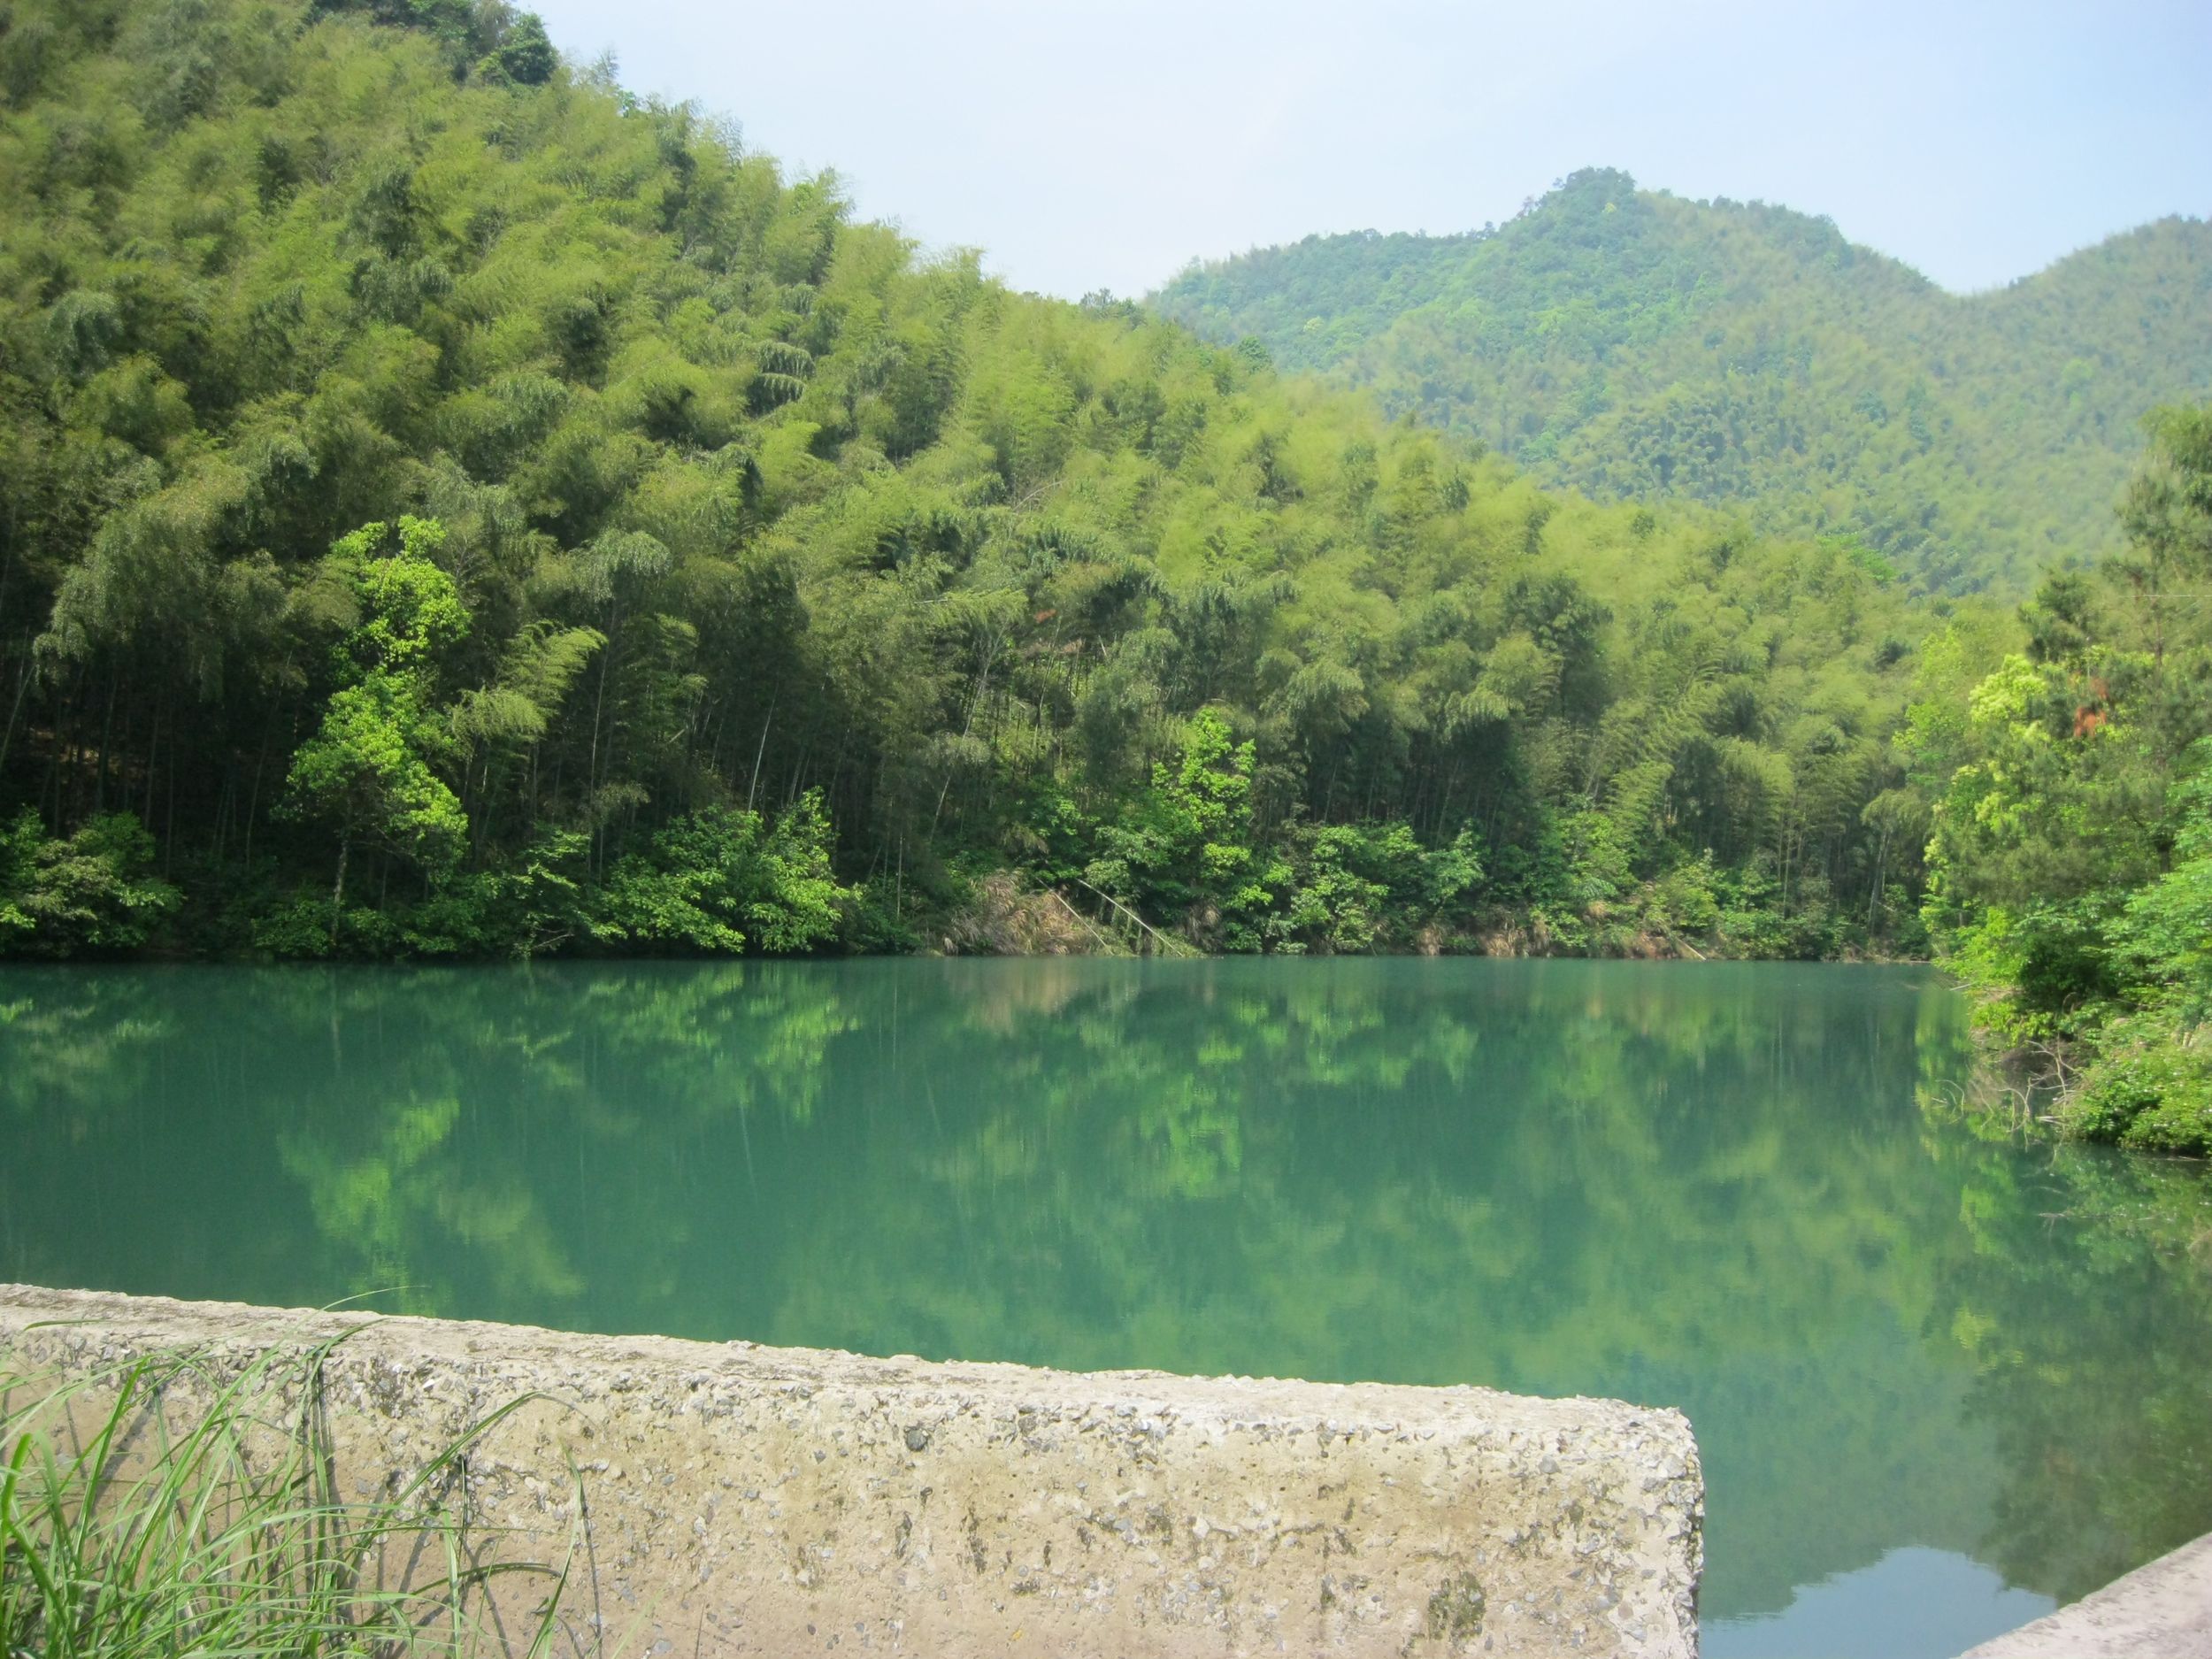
(747, 1500)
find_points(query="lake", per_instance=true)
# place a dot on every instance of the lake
(1940, 1379)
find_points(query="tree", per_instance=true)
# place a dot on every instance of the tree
(713, 874)
(369, 771)
(2071, 863)
(1186, 846)
(526, 54)
(93, 891)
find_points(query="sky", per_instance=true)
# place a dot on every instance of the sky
(1105, 145)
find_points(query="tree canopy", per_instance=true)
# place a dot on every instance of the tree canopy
(2072, 853)
(1632, 344)
(455, 505)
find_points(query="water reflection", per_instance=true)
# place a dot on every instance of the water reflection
(1714, 1187)
(1911, 1601)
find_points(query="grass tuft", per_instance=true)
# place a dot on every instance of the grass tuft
(178, 1505)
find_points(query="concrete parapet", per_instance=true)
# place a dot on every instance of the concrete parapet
(748, 1500)
(2162, 1610)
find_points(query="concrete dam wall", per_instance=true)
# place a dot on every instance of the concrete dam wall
(748, 1500)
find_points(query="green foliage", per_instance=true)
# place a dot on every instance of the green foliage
(369, 773)
(180, 1504)
(1355, 887)
(713, 874)
(1184, 845)
(1345, 878)
(92, 891)
(526, 55)
(411, 610)
(366, 771)
(690, 501)
(487, 41)
(1635, 345)
(2149, 1087)
(2167, 936)
(2071, 855)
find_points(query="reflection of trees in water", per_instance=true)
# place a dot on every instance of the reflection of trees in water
(415, 1110)
(2085, 1308)
(76, 1044)
(1703, 1186)
(1598, 1181)
(402, 1213)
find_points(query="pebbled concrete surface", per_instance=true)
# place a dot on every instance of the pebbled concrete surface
(2162, 1611)
(748, 1499)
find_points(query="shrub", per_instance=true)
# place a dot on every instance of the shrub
(93, 891)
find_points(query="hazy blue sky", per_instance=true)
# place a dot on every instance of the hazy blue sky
(1102, 145)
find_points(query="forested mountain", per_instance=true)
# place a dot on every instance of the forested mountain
(1632, 344)
(452, 506)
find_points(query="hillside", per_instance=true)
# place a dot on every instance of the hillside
(454, 507)
(1632, 344)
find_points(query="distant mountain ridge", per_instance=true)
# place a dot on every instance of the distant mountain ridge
(1628, 342)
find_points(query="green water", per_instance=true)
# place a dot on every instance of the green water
(1924, 1365)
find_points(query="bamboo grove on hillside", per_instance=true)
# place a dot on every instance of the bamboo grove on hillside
(760, 542)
